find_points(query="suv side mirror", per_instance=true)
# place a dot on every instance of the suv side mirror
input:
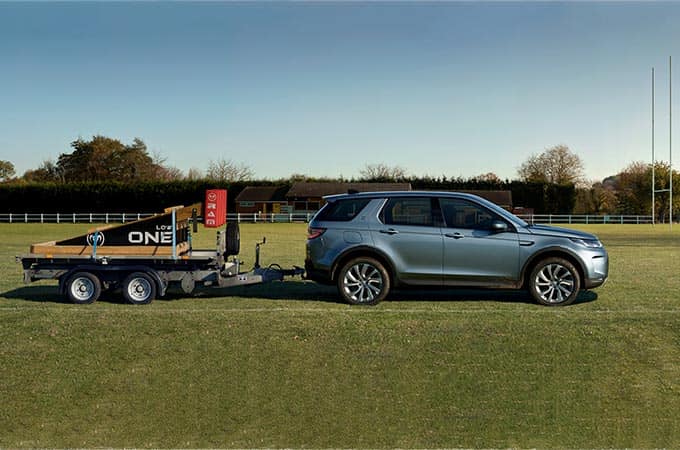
(498, 226)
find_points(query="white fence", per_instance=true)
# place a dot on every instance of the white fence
(128, 217)
(585, 219)
(303, 217)
(72, 217)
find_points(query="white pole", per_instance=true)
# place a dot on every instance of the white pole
(670, 135)
(653, 163)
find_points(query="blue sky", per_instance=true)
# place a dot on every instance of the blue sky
(455, 89)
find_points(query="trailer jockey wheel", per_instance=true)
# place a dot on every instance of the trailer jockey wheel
(188, 283)
(233, 239)
(139, 288)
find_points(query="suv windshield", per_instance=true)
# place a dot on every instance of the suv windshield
(503, 213)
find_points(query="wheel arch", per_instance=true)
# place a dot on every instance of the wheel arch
(367, 251)
(552, 252)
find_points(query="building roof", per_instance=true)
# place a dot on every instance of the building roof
(501, 198)
(262, 194)
(321, 189)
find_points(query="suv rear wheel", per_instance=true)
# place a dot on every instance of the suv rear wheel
(363, 281)
(554, 281)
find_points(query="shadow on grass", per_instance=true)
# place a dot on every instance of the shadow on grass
(477, 295)
(50, 294)
(310, 291)
(302, 291)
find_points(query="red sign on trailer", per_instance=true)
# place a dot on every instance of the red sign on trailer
(215, 214)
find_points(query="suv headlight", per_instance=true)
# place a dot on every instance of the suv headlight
(590, 243)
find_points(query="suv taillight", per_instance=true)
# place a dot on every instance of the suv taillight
(313, 233)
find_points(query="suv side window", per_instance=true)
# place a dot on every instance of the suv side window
(343, 210)
(460, 213)
(414, 211)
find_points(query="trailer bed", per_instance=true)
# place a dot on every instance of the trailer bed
(108, 259)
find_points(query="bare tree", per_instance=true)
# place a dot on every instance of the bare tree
(228, 170)
(556, 164)
(194, 174)
(382, 172)
(168, 173)
(160, 171)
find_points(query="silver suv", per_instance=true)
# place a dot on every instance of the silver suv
(369, 242)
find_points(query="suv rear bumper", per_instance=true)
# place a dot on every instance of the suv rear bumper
(316, 274)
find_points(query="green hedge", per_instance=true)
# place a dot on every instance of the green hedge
(152, 197)
(107, 197)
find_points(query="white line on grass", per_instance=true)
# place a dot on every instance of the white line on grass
(143, 310)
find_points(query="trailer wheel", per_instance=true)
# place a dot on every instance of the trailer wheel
(139, 288)
(233, 239)
(83, 288)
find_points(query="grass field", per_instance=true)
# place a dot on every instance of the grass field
(286, 365)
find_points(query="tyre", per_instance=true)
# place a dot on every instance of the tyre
(233, 239)
(554, 282)
(139, 288)
(363, 281)
(83, 287)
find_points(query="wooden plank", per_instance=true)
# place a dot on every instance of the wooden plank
(49, 248)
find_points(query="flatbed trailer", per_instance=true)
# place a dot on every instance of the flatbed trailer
(83, 276)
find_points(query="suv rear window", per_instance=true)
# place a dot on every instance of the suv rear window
(343, 210)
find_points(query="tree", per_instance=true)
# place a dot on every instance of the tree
(298, 177)
(382, 172)
(604, 198)
(168, 173)
(46, 172)
(599, 198)
(107, 159)
(6, 170)
(633, 185)
(163, 172)
(229, 171)
(489, 177)
(194, 174)
(557, 165)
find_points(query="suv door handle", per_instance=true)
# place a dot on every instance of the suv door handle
(455, 235)
(389, 231)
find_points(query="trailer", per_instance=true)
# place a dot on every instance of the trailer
(144, 258)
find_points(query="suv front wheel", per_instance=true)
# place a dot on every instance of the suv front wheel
(363, 281)
(554, 281)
